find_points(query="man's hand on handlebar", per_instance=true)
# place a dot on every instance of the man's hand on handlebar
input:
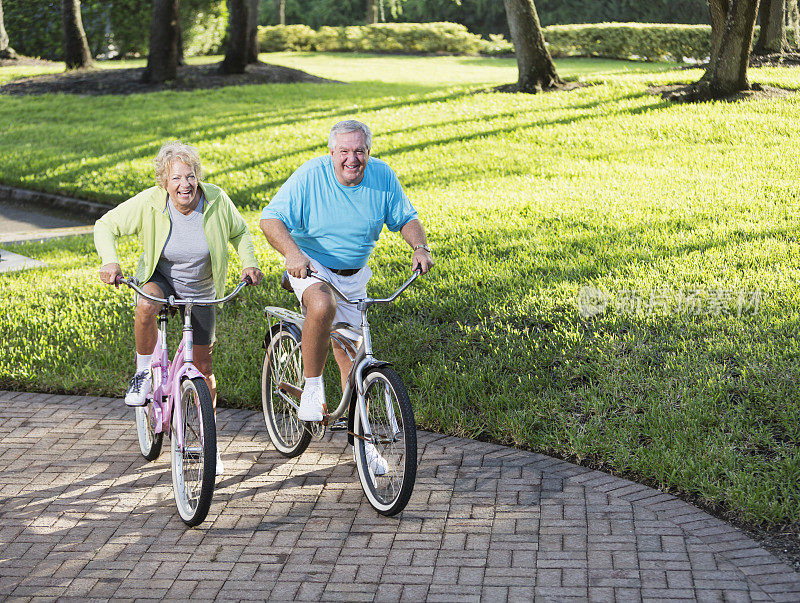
(109, 273)
(298, 265)
(254, 274)
(421, 260)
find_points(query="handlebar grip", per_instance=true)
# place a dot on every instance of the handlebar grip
(248, 280)
(118, 280)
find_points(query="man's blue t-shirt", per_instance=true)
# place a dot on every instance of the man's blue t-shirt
(339, 225)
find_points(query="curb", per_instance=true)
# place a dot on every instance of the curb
(21, 195)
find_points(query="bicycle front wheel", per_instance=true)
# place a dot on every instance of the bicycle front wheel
(149, 441)
(385, 449)
(281, 380)
(194, 463)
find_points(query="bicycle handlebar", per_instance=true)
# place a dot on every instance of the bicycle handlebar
(173, 301)
(369, 301)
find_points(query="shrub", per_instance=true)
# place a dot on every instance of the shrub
(449, 38)
(630, 40)
(496, 45)
(275, 38)
(649, 41)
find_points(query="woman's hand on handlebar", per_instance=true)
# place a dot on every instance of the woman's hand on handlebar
(254, 274)
(109, 273)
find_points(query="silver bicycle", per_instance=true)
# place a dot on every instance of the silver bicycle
(380, 417)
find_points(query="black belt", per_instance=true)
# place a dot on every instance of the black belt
(344, 271)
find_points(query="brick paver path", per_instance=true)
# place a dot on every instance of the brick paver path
(83, 515)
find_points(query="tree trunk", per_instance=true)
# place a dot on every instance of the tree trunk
(537, 71)
(181, 59)
(280, 12)
(76, 48)
(252, 33)
(729, 70)
(6, 52)
(794, 20)
(162, 62)
(719, 14)
(372, 12)
(238, 26)
(772, 16)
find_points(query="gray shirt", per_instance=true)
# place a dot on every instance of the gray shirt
(186, 260)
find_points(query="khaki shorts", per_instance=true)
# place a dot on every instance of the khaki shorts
(353, 287)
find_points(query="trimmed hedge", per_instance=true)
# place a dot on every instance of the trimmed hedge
(429, 38)
(649, 41)
(278, 38)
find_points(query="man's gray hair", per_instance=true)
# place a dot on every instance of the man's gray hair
(350, 125)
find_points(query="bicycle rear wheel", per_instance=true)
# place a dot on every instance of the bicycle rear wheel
(392, 434)
(149, 441)
(281, 379)
(194, 464)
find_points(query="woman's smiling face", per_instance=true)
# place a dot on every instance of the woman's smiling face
(182, 186)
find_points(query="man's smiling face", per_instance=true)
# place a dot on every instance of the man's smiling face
(350, 156)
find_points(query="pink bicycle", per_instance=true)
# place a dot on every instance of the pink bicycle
(180, 404)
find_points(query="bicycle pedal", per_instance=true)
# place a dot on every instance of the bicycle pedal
(340, 425)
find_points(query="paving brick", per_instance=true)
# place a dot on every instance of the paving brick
(87, 517)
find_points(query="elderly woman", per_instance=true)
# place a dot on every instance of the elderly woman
(184, 226)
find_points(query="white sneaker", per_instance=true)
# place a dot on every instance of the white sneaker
(220, 466)
(312, 404)
(375, 461)
(139, 388)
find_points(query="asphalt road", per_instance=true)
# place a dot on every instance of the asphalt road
(32, 222)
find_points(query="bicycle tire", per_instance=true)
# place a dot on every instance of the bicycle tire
(194, 466)
(149, 441)
(386, 401)
(283, 363)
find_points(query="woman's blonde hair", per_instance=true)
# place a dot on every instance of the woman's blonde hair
(171, 151)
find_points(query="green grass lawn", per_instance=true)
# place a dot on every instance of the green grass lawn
(686, 216)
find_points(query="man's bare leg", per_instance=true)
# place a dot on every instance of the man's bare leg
(343, 361)
(320, 309)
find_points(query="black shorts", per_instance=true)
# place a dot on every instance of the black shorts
(204, 318)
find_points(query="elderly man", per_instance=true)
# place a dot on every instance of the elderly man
(326, 219)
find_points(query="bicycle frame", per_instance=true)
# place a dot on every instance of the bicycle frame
(360, 353)
(167, 376)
